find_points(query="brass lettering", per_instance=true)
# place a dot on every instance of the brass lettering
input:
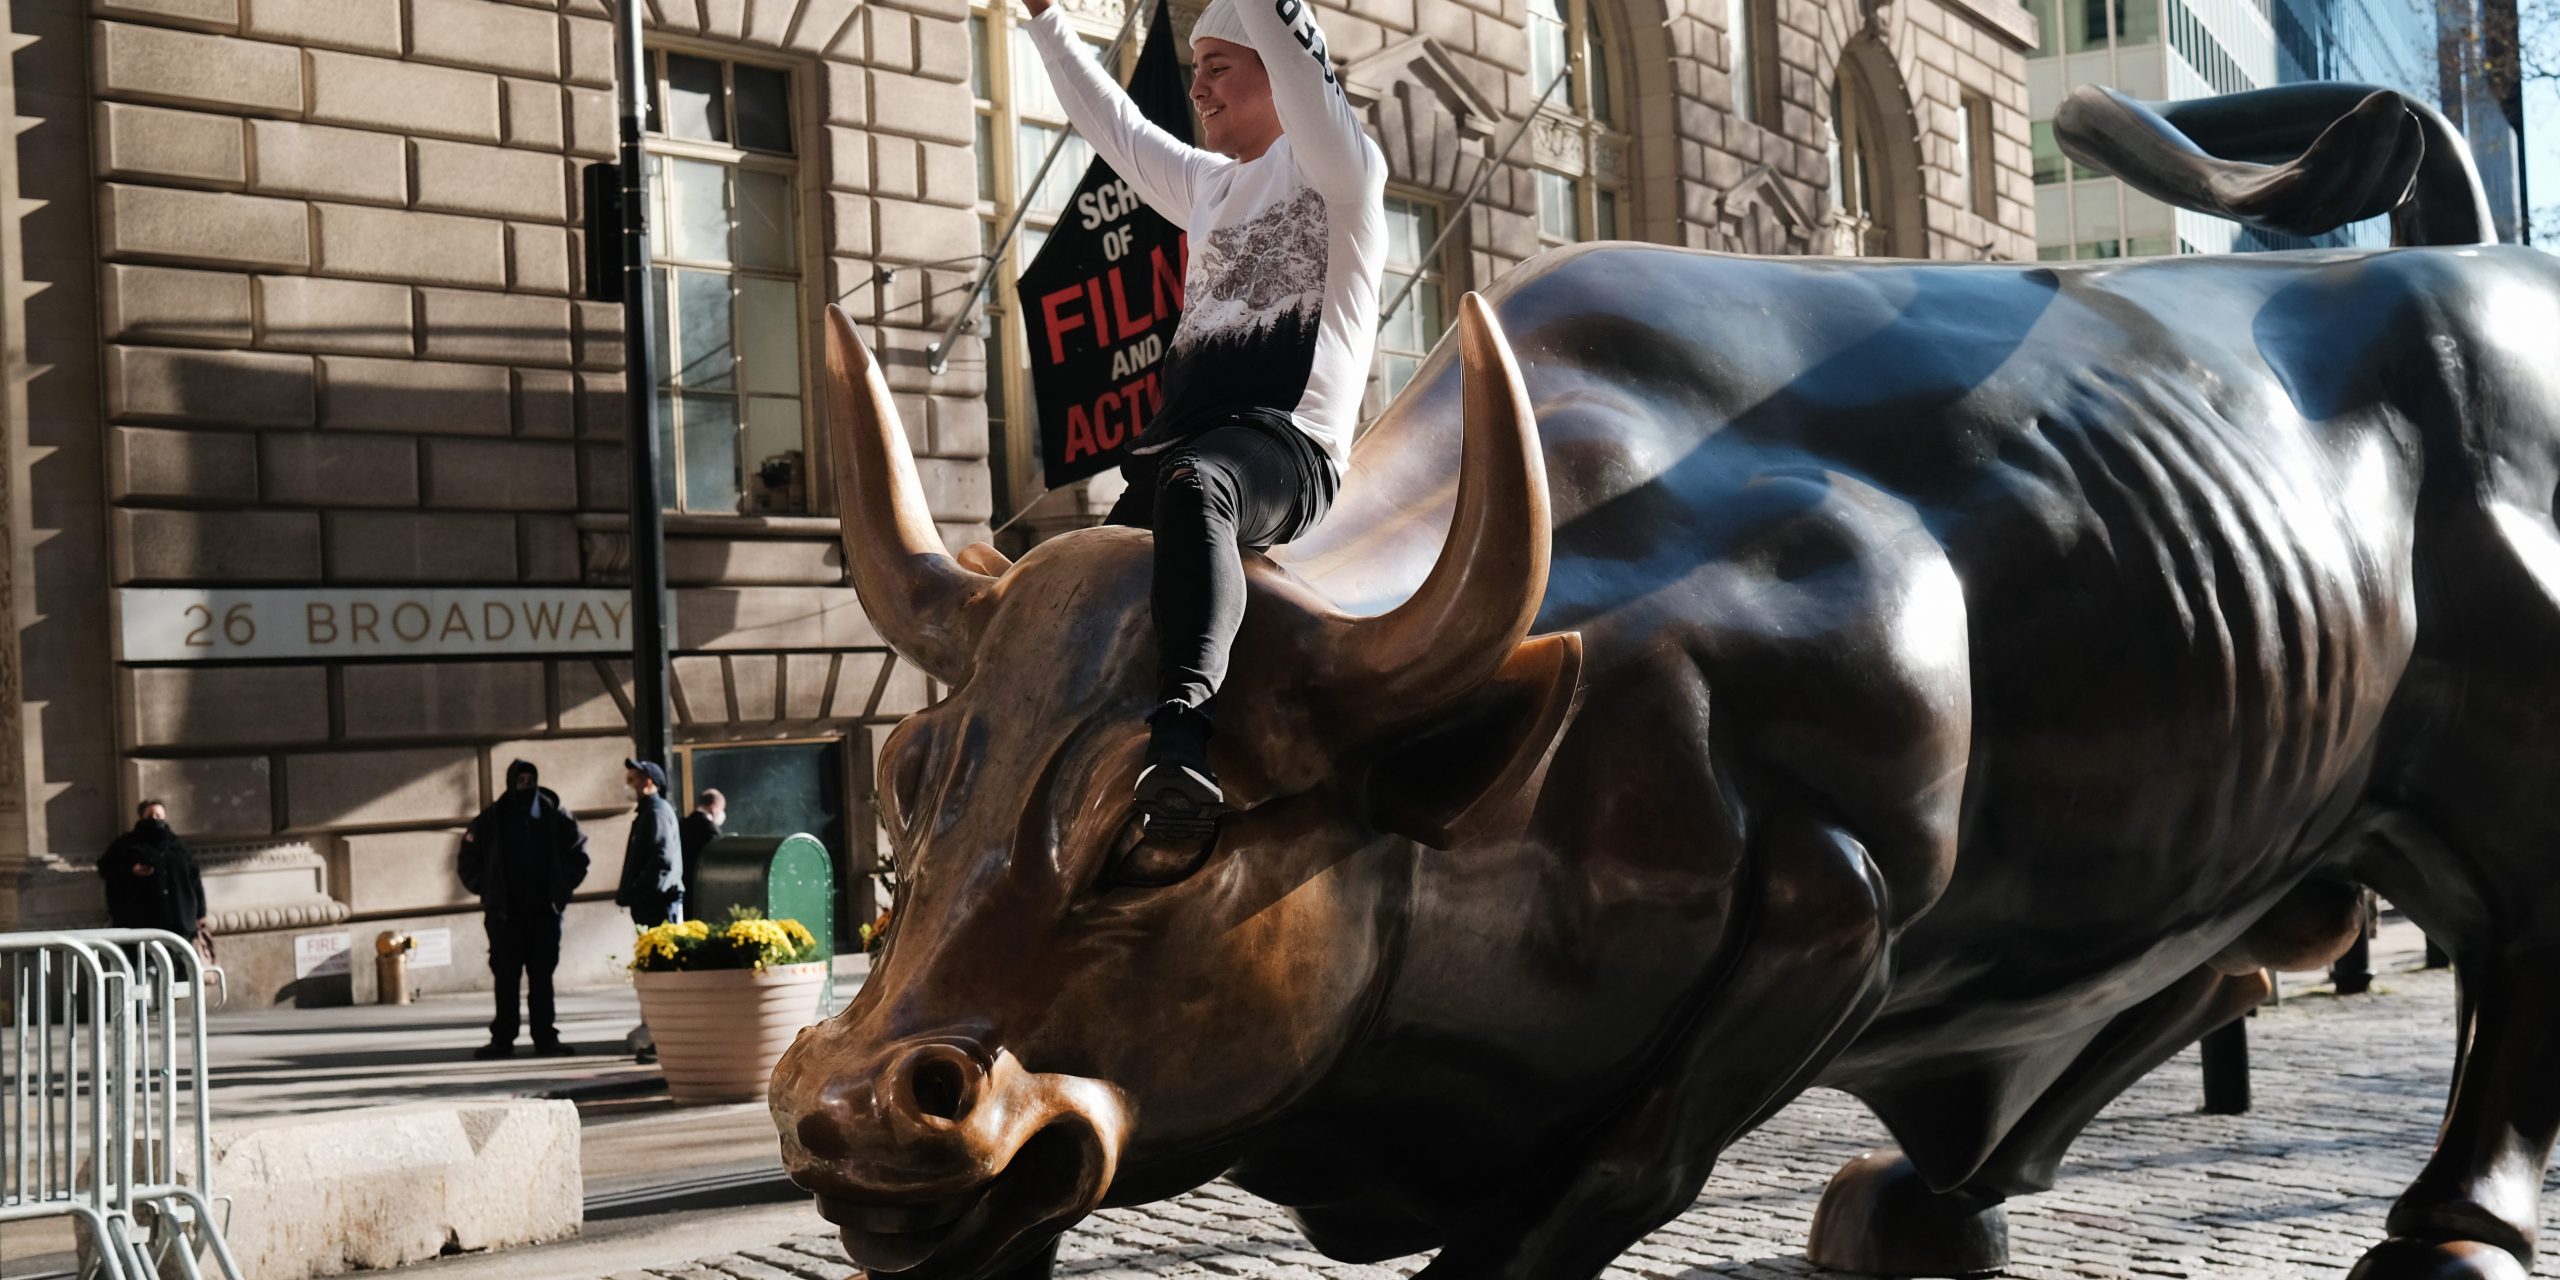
(493, 613)
(619, 610)
(545, 623)
(455, 624)
(361, 619)
(320, 622)
(586, 623)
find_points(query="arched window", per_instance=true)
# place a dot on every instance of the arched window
(1580, 155)
(1861, 217)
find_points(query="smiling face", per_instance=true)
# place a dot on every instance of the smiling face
(1231, 93)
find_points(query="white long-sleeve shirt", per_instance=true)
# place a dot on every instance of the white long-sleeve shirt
(1280, 307)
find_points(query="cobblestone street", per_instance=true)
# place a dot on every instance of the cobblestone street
(2347, 1091)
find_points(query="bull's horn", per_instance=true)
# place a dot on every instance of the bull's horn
(1482, 595)
(924, 603)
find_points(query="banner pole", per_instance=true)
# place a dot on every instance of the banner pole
(939, 354)
(651, 711)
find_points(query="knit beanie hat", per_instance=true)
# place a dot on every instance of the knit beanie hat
(1220, 22)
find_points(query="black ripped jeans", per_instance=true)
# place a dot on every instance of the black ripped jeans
(1246, 479)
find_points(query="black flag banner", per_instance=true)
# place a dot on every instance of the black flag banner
(1100, 300)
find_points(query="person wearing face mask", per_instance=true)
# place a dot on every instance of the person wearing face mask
(525, 856)
(1284, 203)
(152, 879)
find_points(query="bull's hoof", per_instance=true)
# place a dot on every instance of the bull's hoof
(1879, 1218)
(2406, 1259)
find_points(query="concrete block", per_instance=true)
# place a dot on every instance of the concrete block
(959, 426)
(187, 148)
(906, 691)
(317, 160)
(586, 772)
(409, 872)
(916, 107)
(481, 34)
(459, 177)
(956, 489)
(950, 176)
(845, 90)
(770, 618)
(700, 689)
(586, 702)
(538, 258)
(364, 394)
(600, 409)
(222, 14)
(896, 172)
(208, 796)
(195, 707)
(804, 685)
(890, 37)
(331, 469)
(942, 50)
(815, 27)
(221, 229)
(848, 166)
(477, 700)
(912, 232)
(695, 562)
(549, 549)
(216, 546)
(546, 404)
(604, 477)
(232, 388)
(381, 788)
(755, 680)
(425, 248)
(947, 10)
(466, 324)
(187, 68)
(153, 463)
(388, 546)
(408, 97)
(857, 679)
(608, 835)
(310, 313)
(590, 44)
(482, 1174)
(535, 117)
(592, 128)
(366, 26)
(503, 475)
(167, 304)
(599, 335)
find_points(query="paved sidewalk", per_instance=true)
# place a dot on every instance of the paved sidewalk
(2348, 1093)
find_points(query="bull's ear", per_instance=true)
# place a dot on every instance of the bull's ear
(1479, 768)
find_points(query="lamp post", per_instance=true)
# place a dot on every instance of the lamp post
(650, 711)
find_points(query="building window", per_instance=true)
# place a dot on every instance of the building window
(1858, 209)
(732, 431)
(1019, 118)
(2047, 151)
(1746, 59)
(1973, 153)
(1579, 154)
(1405, 337)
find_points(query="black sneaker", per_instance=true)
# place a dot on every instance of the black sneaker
(1181, 802)
(554, 1049)
(493, 1049)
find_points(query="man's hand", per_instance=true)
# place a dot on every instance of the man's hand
(1037, 7)
(143, 869)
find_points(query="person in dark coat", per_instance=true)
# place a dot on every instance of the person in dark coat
(701, 827)
(525, 856)
(152, 880)
(652, 886)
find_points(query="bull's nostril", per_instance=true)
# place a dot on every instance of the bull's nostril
(939, 1088)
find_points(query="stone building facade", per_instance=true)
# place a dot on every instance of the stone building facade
(309, 428)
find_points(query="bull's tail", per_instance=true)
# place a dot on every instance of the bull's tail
(2300, 159)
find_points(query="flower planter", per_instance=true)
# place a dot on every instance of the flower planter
(719, 1031)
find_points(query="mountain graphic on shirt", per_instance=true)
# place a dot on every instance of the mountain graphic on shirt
(1247, 278)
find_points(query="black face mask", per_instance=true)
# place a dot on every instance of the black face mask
(152, 824)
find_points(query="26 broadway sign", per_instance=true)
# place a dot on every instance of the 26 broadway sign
(197, 625)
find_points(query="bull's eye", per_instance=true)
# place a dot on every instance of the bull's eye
(1140, 861)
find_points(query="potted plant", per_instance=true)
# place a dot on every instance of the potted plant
(723, 1003)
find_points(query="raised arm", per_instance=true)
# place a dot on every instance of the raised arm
(1324, 132)
(1163, 169)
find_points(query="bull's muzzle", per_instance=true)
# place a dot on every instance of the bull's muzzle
(939, 1157)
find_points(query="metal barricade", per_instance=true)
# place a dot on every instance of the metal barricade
(106, 1096)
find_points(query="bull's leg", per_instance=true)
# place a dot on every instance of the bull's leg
(2475, 1209)
(1879, 1216)
(1807, 977)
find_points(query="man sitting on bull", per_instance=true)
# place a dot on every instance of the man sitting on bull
(1287, 220)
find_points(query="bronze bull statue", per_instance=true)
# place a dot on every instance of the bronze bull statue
(1952, 684)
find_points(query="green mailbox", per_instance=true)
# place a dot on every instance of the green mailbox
(785, 877)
